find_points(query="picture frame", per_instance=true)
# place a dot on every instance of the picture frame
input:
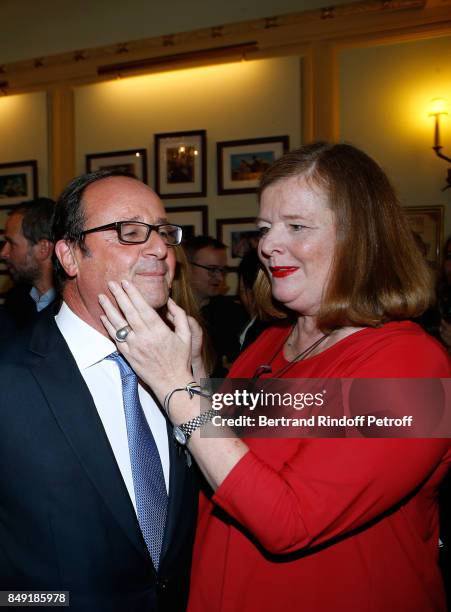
(133, 161)
(239, 235)
(193, 219)
(240, 163)
(427, 224)
(18, 182)
(181, 164)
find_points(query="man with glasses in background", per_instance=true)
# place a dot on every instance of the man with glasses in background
(224, 317)
(97, 500)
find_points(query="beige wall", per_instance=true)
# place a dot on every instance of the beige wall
(231, 101)
(23, 136)
(23, 132)
(384, 96)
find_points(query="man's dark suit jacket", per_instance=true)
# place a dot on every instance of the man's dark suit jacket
(66, 519)
(21, 306)
(7, 325)
(19, 311)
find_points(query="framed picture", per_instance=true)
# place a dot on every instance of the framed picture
(239, 235)
(193, 219)
(426, 223)
(242, 162)
(181, 164)
(18, 182)
(133, 161)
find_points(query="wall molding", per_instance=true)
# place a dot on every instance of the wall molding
(356, 23)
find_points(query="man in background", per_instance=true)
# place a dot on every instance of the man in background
(224, 317)
(27, 252)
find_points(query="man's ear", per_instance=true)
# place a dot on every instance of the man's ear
(64, 250)
(44, 249)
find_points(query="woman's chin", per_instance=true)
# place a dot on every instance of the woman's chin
(285, 297)
(289, 304)
(296, 304)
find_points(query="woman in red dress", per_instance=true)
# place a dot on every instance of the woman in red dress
(336, 524)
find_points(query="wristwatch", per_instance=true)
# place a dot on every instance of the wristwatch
(182, 433)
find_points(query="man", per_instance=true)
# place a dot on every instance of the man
(76, 514)
(208, 267)
(224, 317)
(27, 251)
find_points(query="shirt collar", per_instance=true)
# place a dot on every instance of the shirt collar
(43, 300)
(87, 345)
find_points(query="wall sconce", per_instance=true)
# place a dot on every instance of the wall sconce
(438, 107)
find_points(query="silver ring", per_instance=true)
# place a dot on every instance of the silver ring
(122, 333)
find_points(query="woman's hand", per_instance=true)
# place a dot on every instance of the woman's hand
(159, 356)
(198, 365)
(196, 338)
(162, 358)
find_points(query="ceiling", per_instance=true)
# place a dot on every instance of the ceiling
(35, 28)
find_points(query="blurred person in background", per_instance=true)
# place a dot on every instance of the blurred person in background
(444, 305)
(223, 316)
(27, 251)
(258, 319)
(444, 296)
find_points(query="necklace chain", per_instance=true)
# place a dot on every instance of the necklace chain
(267, 368)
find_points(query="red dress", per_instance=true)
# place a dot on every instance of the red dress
(320, 525)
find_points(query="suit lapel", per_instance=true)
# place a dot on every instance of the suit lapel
(69, 399)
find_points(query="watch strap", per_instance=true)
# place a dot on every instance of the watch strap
(190, 427)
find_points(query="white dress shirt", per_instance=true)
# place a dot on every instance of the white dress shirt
(89, 349)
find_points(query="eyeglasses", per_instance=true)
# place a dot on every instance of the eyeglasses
(136, 232)
(212, 270)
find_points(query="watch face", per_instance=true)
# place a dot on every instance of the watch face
(179, 435)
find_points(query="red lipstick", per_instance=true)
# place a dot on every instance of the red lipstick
(282, 271)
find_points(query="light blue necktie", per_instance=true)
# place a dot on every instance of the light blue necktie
(147, 471)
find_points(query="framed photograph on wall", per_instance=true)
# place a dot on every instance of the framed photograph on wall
(239, 235)
(426, 223)
(241, 163)
(133, 161)
(181, 164)
(18, 182)
(193, 219)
